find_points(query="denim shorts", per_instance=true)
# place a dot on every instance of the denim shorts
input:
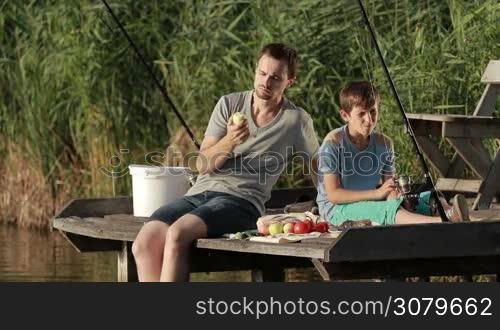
(222, 213)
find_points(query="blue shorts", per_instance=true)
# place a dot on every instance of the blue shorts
(222, 213)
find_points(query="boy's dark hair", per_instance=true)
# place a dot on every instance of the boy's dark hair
(281, 52)
(358, 93)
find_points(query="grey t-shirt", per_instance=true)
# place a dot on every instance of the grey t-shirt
(255, 165)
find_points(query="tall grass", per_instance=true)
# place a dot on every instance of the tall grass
(73, 95)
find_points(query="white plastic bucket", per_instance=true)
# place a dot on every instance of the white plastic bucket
(155, 186)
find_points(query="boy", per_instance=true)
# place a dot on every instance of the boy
(354, 159)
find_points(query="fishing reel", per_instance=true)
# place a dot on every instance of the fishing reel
(411, 193)
(404, 183)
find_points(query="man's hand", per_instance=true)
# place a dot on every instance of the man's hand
(237, 133)
(388, 188)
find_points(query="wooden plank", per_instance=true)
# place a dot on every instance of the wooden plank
(490, 186)
(426, 128)
(433, 154)
(414, 267)
(488, 100)
(450, 118)
(96, 207)
(475, 127)
(204, 260)
(322, 270)
(322, 240)
(429, 117)
(468, 154)
(456, 168)
(439, 240)
(288, 249)
(126, 218)
(99, 227)
(485, 215)
(127, 269)
(481, 150)
(462, 185)
(491, 74)
(89, 244)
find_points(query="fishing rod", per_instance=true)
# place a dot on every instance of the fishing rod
(409, 129)
(150, 70)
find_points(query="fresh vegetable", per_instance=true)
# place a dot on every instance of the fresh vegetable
(301, 228)
(309, 224)
(321, 227)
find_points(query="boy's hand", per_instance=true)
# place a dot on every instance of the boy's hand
(237, 133)
(395, 194)
(387, 188)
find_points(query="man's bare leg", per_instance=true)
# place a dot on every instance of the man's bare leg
(148, 250)
(178, 241)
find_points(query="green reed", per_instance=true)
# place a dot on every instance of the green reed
(73, 94)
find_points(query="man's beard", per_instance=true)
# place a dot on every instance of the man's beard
(262, 96)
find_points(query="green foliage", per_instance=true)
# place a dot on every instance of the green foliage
(74, 92)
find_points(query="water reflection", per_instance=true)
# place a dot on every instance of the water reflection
(32, 256)
(27, 255)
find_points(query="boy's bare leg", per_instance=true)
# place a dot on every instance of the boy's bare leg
(404, 217)
(148, 250)
(178, 241)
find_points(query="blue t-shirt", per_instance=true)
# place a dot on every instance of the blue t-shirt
(357, 169)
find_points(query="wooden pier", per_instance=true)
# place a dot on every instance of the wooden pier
(358, 253)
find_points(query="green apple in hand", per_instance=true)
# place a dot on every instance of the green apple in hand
(239, 118)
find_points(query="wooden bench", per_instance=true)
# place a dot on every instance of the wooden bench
(465, 135)
(358, 253)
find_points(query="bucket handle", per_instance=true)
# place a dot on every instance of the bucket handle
(153, 174)
(191, 178)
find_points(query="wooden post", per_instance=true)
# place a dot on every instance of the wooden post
(320, 267)
(489, 188)
(127, 270)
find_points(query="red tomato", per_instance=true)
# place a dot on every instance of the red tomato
(310, 225)
(300, 228)
(321, 227)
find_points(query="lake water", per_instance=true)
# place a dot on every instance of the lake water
(34, 256)
(27, 255)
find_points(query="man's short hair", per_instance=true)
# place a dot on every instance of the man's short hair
(358, 93)
(281, 52)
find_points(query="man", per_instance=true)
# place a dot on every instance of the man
(239, 162)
